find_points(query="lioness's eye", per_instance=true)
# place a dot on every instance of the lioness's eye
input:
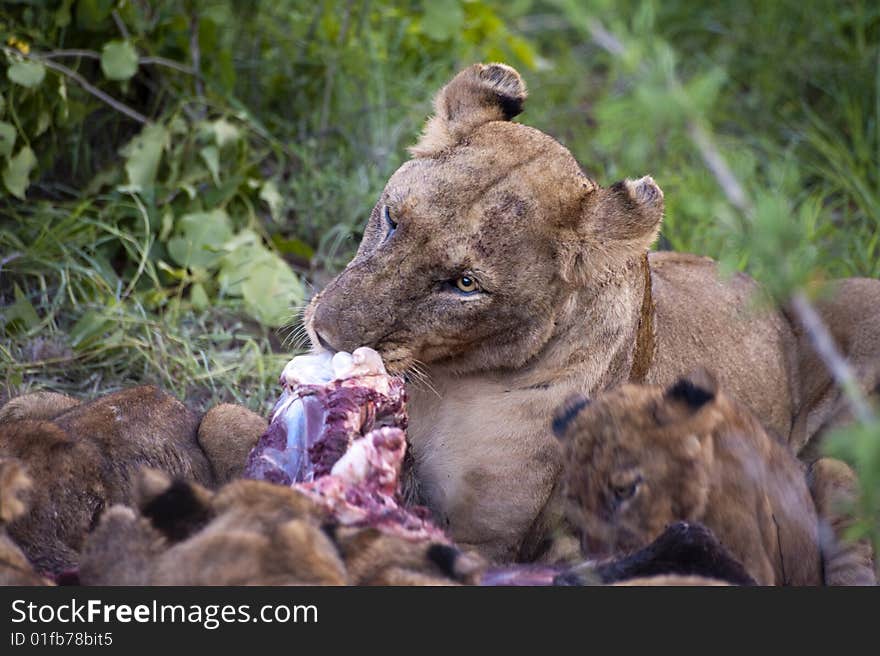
(390, 224)
(466, 284)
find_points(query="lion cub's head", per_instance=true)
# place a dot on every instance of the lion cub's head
(637, 459)
(254, 533)
(476, 246)
(640, 458)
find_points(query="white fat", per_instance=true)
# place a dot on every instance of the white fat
(313, 369)
(324, 367)
(362, 361)
(354, 465)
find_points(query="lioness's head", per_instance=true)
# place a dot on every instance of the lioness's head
(478, 242)
(637, 459)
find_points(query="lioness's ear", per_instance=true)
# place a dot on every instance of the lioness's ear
(613, 226)
(629, 213)
(479, 94)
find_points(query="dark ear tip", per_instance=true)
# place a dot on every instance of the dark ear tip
(645, 190)
(507, 85)
(690, 393)
(444, 556)
(566, 413)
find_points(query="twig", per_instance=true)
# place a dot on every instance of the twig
(95, 91)
(92, 54)
(196, 56)
(68, 52)
(169, 63)
(605, 39)
(85, 84)
(837, 365)
(120, 24)
(331, 69)
(716, 163)
(8, 258)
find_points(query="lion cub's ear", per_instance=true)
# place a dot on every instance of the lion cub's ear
(479, 94)
(15, 485)
(177, 508)
(687, 396)
(566, 413)
(694, 390)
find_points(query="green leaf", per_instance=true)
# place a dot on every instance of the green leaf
(7, 139)
(93, 14)
(44, 120)
(225, 132)
(143, 154)
(91, 326)
(443, 19)
(15, 176)
(270, 289)
(167, 225)
(269, 193)
(119, 60)
(241, 251)
(293, 246)
(62, 14)
(199, 297)
(211, 157)
(21, 315)
(200, 238)
(27, 73)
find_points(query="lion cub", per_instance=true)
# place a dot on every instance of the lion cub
(253, 533)
(639, 458)
(15, 488)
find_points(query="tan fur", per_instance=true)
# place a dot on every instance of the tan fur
(851, 310)
(15, 486)
(36, 405)
(672, 580)
(640, 457)
(846, 562)
(477, 95)
(84, 458)
(568, 303)
(228, 456)
(250, 533)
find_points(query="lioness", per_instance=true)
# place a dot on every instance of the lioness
(493, 266)
(638, 458)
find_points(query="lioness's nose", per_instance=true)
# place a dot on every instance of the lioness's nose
(323, 342)
(325, 323)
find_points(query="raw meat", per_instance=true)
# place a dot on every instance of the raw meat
(338, 434)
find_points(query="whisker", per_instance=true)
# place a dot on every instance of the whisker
(420, 372)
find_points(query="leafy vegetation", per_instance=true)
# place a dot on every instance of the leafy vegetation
(177, 176)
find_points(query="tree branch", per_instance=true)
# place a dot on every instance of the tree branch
(95, 91)
(84, 83)
(837, 365)
(142, 61)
